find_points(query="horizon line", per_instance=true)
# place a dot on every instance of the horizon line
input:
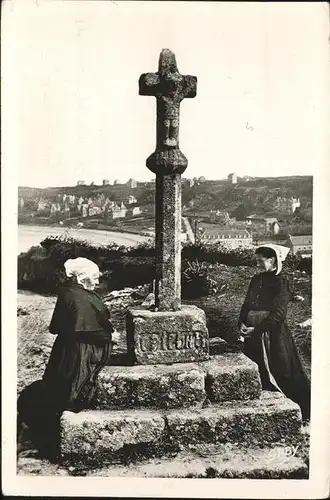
(151, 180)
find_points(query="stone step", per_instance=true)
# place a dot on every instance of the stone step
(96, 436)
(231, 462)
(225, 377)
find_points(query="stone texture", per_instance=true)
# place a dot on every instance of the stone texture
(167, 336)
(157, 386)
(231, 377)
(170, 88)
(168, 162)
(98, 437)
(258, 422)
(168, 243)
(93, 436)
(30, 466)
(209, 462)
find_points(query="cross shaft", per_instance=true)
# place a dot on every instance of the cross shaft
(168, 163)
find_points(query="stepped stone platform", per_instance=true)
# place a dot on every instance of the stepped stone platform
(98, 436)
(202, 420)
(225, 377)
(209, 461)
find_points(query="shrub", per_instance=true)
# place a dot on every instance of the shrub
(41, 268)
(219, 254)
(196, 282)
(306, 265)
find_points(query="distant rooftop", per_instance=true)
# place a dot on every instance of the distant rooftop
(302, 239)
(226, 233)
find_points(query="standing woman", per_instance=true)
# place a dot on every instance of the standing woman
(267, 338)
(81, 349)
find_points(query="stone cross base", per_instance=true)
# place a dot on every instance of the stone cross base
(166, 337)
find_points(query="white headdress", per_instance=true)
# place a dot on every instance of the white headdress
(281, 254)
(81, 268)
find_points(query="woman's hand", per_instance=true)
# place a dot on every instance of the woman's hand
(242, 328)
(246, 331)
(115, 337)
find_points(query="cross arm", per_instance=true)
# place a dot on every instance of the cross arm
(148, 84)
(190, 86)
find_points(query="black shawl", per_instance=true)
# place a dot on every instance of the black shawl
(81, 312)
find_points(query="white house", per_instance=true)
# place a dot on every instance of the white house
(300, 244)
(131, 199)
(232, 178)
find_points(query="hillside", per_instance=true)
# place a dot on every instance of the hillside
(257, 195)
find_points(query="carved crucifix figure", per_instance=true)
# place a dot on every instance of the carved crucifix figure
(168, 163)
(170, 88)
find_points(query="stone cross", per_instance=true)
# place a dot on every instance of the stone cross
(168, 163)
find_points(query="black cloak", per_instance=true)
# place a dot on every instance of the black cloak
(271, 345)
(82, 348)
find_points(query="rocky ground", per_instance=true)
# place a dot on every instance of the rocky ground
(35, 342)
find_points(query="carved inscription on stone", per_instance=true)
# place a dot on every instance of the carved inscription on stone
(167, 336)
(167, 341)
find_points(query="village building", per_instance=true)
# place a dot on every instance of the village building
(118, 212)
(43, 205)
(131, 183)
(275, 227)
(131, 199)
(100, 199)
(107, 205)
(116, 182)
(134, 211)
(278, 239)
(84, 210)
(221, 216)
(286, 205)
(300, 244)
(94, 210)
(81, 183)
(105, 182)
(55, 208)
(150, 231)
(71, 198)
(80, 202)
(230, 238)
(263, 222)
(188, 182)
(232, 178)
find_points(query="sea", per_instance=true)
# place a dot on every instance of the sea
(29, 236)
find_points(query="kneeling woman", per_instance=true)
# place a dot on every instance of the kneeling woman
(82, 348)
(267, 338)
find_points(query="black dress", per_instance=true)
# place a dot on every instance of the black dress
(82, 348)
(271, 345)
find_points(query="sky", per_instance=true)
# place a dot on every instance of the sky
(70, 87)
